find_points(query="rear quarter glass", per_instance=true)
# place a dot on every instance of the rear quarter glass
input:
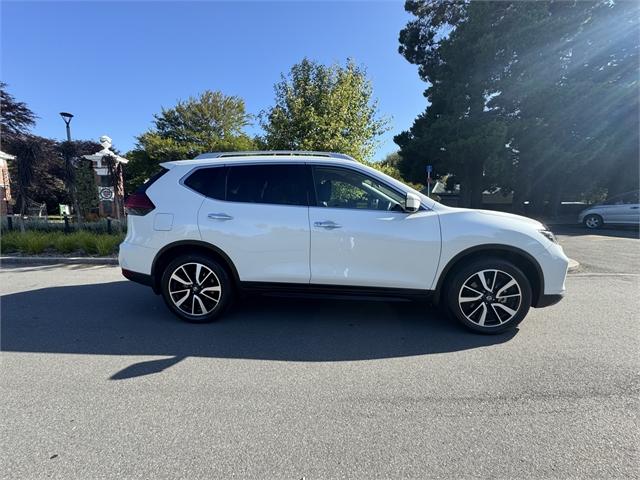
(208, 181)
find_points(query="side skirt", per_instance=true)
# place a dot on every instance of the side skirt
(341, 292)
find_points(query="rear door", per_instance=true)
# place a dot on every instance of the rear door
(361, 235)
(258, 215)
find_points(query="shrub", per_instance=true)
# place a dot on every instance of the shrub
(34, 243)
(86, 242)
(65, 243)
(107, 244)
(56, 224)
(10, 241)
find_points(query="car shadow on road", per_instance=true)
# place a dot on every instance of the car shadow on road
(121, 318)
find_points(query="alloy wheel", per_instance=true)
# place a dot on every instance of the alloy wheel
(195, 289)
(490, 298)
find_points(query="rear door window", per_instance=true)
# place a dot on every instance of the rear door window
(272, 184)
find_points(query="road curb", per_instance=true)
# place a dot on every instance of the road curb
(59, 260)
(573, 265)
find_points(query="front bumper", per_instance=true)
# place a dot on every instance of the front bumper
(548, 300)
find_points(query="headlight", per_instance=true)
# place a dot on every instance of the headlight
(549, 234)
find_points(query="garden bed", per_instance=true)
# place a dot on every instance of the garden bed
(60, 244)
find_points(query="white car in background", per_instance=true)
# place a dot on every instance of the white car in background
(203, 230)
(622, 209)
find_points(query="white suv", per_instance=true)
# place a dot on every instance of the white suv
(313, 222)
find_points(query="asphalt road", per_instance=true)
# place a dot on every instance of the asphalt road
(100, 381)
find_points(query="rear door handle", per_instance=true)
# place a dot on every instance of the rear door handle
(219, 216)
(634, 208)
(327, 225)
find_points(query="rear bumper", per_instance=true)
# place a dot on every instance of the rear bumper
(136, 258)
(138, 277)
(548, 300)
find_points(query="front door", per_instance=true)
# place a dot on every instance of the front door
(261, 221)
(361, 236)
(631, 209)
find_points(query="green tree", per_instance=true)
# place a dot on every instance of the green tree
(453, 43)
(40, 172)
(525, 95)
(27, 150)
(211, 122)
(86, 187)
(72, 153)
(389, 166)
(140, 167)
(327, 108)
(15, 117)
(15, 121)
(569, 95)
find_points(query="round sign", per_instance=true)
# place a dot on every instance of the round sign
(106, 193)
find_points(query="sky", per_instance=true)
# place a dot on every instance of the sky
(114, 64)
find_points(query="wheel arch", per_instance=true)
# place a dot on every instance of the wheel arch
(523, 260)
(170, 251)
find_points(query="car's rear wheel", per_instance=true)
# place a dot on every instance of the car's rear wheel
(489, 296)
(593, 221)
(196, 288)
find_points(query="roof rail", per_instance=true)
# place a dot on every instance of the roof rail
(267, 153)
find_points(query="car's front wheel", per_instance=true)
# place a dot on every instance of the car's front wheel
(593, 221)
(196, 288)
(489, 296)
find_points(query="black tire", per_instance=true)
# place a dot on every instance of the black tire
(203, 308)
(466, 284)
(593, 221)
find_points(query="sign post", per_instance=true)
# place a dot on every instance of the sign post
(429, 170)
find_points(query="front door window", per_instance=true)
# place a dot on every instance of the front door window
(344, 188)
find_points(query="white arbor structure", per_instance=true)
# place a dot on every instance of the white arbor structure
(108, 169)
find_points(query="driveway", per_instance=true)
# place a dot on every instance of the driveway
(100, 381)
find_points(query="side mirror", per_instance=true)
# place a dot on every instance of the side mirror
(411, 203)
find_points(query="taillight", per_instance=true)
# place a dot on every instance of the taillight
(138, 204)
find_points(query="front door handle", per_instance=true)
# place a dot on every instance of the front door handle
(327, 225)
(634, 208)
(219, 216)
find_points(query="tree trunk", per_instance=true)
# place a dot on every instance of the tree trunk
(472, 185)
(536, 199)
(520, 192)
(477, 183)
(76, 206)
(465, 190)
(555, 199)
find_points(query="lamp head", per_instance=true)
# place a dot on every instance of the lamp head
(66, 116)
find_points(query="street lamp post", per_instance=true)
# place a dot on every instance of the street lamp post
(67, 120)
(70, 174)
